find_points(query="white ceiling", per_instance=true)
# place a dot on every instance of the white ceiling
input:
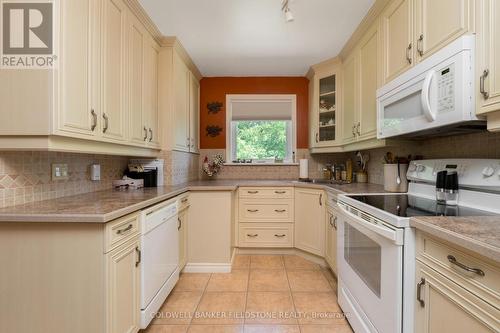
(251, 37)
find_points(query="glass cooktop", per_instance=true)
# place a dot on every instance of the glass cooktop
(405, 205)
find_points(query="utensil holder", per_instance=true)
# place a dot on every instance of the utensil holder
(391, 175)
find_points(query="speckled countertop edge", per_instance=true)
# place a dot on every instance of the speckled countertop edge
(479, 234)
(59, 210)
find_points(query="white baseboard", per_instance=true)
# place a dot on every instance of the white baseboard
(207, 268)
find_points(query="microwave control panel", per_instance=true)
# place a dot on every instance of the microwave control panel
(446, 94)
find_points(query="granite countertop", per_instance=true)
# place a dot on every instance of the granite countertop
(104, 206)
(478, 234)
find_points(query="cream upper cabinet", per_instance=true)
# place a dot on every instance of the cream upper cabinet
(438, 23)
(194, 114)
(114, 115)
(138, 132)
(442, 306)
(397, 30)
(310, 215)
(488, 57)
(349, 100)
(331, 238)
(78, 107)
(181, 104)
(123, 282)
(366, 127)
(151, 108)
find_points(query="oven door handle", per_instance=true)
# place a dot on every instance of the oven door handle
(393, 234)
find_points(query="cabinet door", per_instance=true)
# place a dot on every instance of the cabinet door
(488, 55)
(137, 35)
(446, 307)
(123, 289)
(181, 105)
(326, 120)
(349, 103)
(194, 114)
(366, 127)
(183, 238)
(331, 239)
(78, 65)
(113, 69)
(396, 28)
(151, 54)
(439, 23)
(310, 221)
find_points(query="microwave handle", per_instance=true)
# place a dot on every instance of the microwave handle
(425, 97)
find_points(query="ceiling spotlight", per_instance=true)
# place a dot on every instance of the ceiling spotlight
(286, 9)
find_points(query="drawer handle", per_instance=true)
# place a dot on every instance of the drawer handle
(121, 231)
(280, 210)
(184, 200)
(252, 192)
(279, 236)
(252, 210)
(280, 192)
(252, 235)
(419, 292)
(454, 261)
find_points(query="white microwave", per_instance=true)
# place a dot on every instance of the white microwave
(434, 96)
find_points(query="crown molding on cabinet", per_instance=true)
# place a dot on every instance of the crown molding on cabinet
(323, 66)
(164, 41)
(174, 42)
(372, 15)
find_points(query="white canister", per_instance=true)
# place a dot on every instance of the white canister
(304, 168)
(391, 176)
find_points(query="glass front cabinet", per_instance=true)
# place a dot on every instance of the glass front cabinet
(325, 108)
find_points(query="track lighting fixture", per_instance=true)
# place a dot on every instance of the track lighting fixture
(286, 9)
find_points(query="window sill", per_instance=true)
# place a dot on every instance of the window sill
(261, 164)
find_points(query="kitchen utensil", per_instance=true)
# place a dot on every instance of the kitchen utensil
(389, 158)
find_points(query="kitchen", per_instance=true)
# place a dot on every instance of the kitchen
(265, 166)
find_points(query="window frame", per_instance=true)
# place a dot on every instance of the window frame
(230, 128)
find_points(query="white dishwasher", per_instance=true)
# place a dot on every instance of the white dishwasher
(160, 257)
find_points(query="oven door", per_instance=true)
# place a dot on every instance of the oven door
(370, 257)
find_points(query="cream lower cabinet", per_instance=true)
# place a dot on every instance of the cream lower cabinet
(450, 299)
(80, 277)
(331, 238)
(183, 204)
(310, 212)
(265, 217)
(123, 284)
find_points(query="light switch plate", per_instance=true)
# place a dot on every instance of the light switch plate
(60, 172)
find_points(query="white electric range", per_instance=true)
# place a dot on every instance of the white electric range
(376, 246)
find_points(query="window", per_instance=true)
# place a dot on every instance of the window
(262, 128)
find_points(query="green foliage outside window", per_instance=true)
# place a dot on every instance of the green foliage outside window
(261, 139)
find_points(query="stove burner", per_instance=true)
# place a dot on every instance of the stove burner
(405, 205)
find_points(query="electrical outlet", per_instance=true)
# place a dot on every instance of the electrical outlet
(60, 172)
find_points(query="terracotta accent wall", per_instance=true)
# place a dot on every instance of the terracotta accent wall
(215, 89)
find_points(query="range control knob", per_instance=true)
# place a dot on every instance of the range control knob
(488, 172)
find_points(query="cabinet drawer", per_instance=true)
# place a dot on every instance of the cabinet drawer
(266, 192)
(453, 263)
(121, 230)
(279, 210)
(183, 202)
(266, 235)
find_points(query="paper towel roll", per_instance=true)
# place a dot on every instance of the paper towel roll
(304, 169)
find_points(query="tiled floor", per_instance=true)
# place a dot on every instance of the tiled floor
(262, 294)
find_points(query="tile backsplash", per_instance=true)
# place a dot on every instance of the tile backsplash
(26, 176)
